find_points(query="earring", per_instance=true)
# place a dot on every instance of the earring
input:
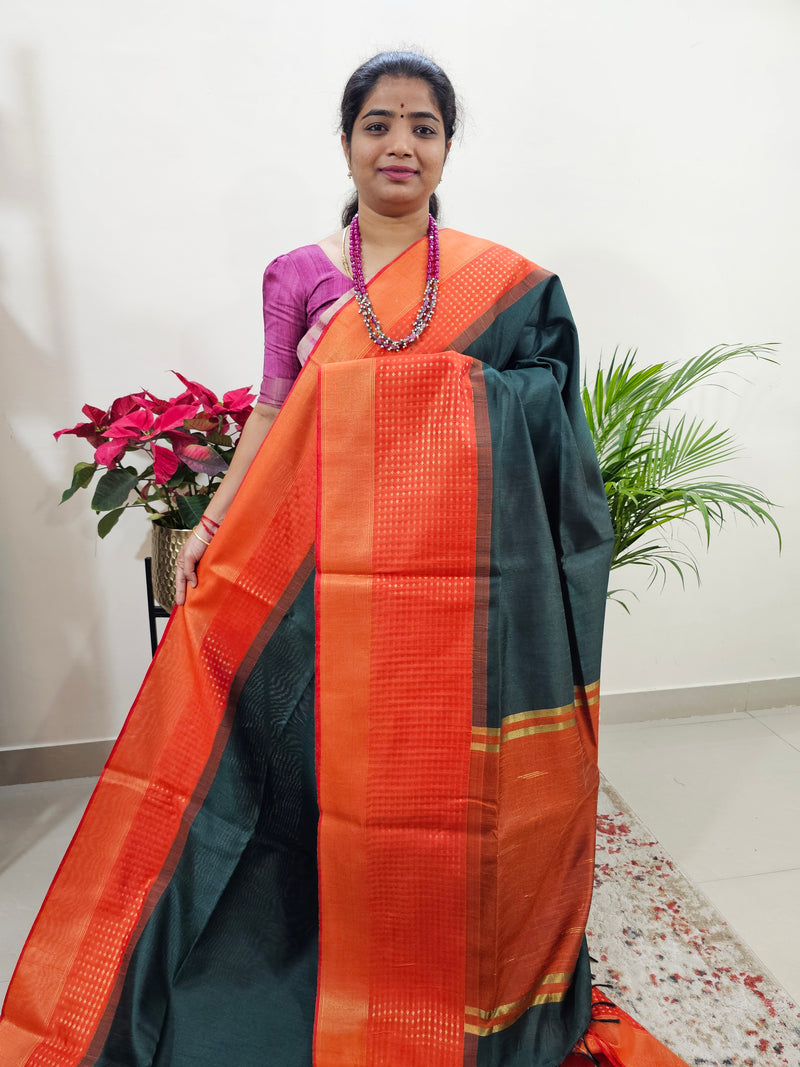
(349, 174)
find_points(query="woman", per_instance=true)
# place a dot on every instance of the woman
(350, 819)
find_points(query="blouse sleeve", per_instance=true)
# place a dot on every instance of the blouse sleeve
(284, 326)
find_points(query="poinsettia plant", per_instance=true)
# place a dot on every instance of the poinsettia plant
(166, 456)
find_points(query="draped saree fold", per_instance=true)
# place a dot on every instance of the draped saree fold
(350, 818)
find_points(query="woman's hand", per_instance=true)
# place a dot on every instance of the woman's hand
(186, 568)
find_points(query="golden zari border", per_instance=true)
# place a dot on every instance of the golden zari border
(479, 745)
(504, 1015)
(489, 738)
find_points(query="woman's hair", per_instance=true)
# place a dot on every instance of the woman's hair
(396, 65)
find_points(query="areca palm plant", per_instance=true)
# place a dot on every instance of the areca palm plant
(659, 466)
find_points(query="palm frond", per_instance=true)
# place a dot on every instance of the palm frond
(658, 465)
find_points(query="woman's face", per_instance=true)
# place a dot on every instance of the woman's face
(397, 149)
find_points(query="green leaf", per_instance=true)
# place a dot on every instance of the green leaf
(81, 476)
(616, 596)
(658, 465)
(182, 476)
(170, 520)
(109, 521)
(191, 509)
(114, 488)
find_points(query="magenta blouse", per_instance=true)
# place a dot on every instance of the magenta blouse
(297, 288)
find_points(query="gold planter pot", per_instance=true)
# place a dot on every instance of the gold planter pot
(166, 546)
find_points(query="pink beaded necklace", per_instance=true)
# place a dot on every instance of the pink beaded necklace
(425, 312)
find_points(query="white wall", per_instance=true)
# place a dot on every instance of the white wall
(154, 156)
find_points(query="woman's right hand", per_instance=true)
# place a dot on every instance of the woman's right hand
(186, 567)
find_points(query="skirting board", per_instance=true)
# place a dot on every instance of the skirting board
(85, 759)
(652, 704)
(45, 763)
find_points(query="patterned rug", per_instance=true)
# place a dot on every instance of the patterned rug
(673, 963)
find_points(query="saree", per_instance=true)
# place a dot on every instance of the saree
(350, 817)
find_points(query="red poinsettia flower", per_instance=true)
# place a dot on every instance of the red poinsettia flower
(165, 463)
(109, 452)
(150, 402)
(237, 405)
(180, 448)
(239, 418)
(238, 400)
(137, 425)
(178, 437)
(121, 407)
(82, 429)
(199, 392)
(92, 430)
(173, 416)
(97, 415)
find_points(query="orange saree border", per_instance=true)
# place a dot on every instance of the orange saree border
(396, 571)
(537, 770)
(167, 752)
(343, 646)
(615, 1039)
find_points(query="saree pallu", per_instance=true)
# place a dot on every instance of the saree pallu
(350, 818)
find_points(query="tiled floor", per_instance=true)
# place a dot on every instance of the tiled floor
(36, 824)
(721, 794)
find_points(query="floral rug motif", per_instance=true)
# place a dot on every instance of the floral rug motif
(673, 962)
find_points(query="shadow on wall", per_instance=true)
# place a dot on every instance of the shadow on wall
(52, 657)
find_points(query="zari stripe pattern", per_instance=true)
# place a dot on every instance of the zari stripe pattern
(534, 808)
(527, 723)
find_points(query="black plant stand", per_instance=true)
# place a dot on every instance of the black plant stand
(154, 610)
